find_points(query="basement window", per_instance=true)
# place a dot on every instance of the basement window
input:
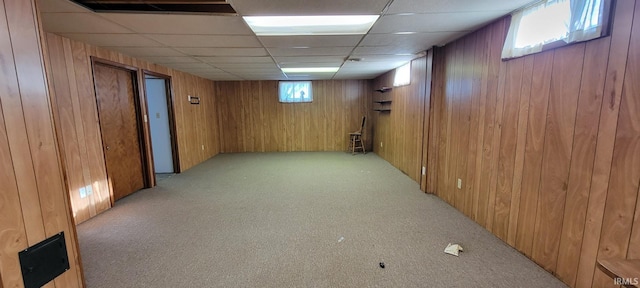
(554, 23)
(402, 76)
(295, 91)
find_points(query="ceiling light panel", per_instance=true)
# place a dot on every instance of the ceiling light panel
(311, 25)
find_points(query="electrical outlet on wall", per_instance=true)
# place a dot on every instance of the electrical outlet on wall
(380, 143)
(202, 147)
(459, 183)
(424, 170)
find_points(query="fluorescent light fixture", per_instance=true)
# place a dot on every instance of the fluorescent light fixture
(405, 33)
(311, 70)
(311, 25)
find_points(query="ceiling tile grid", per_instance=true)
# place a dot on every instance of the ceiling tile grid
(223, 47)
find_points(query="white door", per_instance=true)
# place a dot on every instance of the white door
(159, 124)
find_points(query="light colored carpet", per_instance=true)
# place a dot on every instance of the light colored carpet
(275, 220)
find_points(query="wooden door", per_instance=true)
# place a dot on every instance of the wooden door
(117, 110)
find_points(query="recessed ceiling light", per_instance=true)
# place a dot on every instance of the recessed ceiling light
(311, 25)
(311, 70)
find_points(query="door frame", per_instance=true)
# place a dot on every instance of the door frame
(144, 138)
(171, 113)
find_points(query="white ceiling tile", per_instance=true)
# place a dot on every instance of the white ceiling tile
(433, 6)
(123, 40)
(215, 60)
(182, 24)
(297, 7)
(168, 60)
(323, 51)
(232, 52)
(415, 42)
(310, 64)
(176, 40)
(79, 23)
(60, 6)
(326, 76)
(384, 58)
(251, 70)
(212, 51)
(388, 50)
(270, 65)
(440, 22)
(146, 51)
(220, 77)
(314, 59)
(310, 41)
(199, 66)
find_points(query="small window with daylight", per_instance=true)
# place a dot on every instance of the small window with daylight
(554, 23)
(295, 91)
(403, 75)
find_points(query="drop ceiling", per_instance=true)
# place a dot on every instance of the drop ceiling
(222, 47)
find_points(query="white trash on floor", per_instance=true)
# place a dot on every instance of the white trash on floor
(453, 249)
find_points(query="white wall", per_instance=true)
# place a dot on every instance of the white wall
(159, 124)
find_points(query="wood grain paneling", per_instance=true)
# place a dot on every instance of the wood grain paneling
(556, 158)
(119, 125)
(615, 71)
(581, 170)
(546, 145)
(620, 206)
(76, 114)
(398, 134)
(33, 199)
(253, 120)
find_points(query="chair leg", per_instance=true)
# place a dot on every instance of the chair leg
(353, 144)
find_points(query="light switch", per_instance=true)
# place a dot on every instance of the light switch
(459, 183)
(158, 115)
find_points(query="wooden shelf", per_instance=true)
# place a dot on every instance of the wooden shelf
(622, 268)
(383, 101)
(383, 110)
(384, 89)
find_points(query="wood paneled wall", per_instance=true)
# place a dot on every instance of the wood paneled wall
(253, 120)
(33, 201)
(398, 134)
(74, 101)
(547, 146)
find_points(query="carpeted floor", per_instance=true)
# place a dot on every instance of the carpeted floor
(294, 220)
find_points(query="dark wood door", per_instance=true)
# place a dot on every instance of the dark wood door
(120, 130)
